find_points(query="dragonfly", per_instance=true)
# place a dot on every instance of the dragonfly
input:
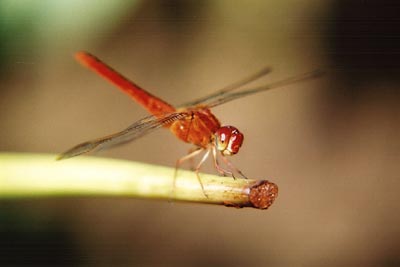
(192, 122)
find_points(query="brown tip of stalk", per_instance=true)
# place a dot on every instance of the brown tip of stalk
(263, 194)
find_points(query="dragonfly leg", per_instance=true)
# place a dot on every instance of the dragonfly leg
(191, 159)
(205, 156)
(232, 167)
(218, 167)
(179, 162)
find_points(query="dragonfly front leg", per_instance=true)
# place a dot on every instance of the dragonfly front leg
(233, 167)
(218, 167)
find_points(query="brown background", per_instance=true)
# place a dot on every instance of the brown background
(332, 145)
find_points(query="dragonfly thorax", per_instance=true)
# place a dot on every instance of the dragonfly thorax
(228, 140)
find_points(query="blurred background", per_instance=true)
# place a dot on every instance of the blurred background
(332, 145)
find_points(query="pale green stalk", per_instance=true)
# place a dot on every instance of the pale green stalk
(38, 175)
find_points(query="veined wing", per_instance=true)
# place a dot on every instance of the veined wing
(136, 130)
(234, 86)
(218, 100)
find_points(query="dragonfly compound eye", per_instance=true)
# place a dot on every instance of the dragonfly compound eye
(228, 140)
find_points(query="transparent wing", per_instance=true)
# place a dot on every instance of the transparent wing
(136, 130)
(220, 99)
(236, 85)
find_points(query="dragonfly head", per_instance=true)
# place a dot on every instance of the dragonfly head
(228, 140)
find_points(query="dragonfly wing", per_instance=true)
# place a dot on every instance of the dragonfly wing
(136, 130)
(236, 85)
(234, 95)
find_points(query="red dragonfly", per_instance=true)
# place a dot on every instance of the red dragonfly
(193, 122)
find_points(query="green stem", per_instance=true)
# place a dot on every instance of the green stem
(37, 175)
